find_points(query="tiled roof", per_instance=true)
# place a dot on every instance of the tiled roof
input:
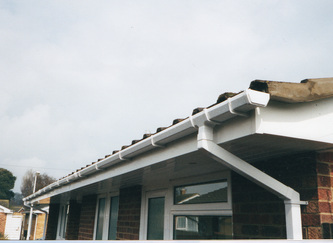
(307, 90)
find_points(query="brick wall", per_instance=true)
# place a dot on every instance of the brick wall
(87, 217)
(73, 221)
(52, 222)
(40, 226)
(324, 205)
(129, 213)
(2, 223)
(258, 214)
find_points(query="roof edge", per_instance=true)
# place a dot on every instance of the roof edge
(305, 91)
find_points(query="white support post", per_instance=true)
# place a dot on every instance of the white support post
(293, 220)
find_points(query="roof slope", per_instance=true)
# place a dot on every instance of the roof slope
(305, 91)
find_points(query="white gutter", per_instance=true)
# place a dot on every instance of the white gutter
(205, 121)
(239, 104)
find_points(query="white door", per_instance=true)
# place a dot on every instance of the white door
(13, 226)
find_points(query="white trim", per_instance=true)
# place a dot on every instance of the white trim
(107, 209)
(146, 195)
(62, 215)
(170, 210)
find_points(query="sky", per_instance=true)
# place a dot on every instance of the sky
(81, 78)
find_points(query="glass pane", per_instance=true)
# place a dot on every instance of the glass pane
(61, 221)
(100, 219)
(155, 218)
(202, 227)
(113, 218)
(212, 192)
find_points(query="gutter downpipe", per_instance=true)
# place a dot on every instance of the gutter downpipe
(45, 220)
(291, 197)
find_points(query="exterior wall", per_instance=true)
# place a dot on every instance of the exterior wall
(2, 223)
(259, 214)
(72, 231)
(40, 226)
(129, 213)
(324, 205)
(52, 222)
(87, 218)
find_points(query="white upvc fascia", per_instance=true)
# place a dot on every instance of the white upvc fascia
(307, 121)
(240, 104)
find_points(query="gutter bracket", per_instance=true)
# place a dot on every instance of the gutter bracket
(232, 111)
(154, 144)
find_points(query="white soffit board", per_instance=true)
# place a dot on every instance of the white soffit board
(309, 121)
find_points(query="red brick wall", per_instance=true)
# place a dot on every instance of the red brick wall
(258, 214)
(52, 223)
(87, 217)
(324, 205)
(2, 223)
(129, 213)
(73, 221)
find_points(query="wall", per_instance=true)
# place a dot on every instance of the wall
(324, 204)
(129, 213)
(52, 222)
(87, 218)
(2, 223)
(73, 223)
(258, 214)
(40, 226)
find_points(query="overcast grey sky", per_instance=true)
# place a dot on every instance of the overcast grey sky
(80, 79)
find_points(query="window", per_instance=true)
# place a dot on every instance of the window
(202, 227)
(100, 219)
(106, 218)
(197, 207)
(62, 223)
(201, 209)
(155, 227)
(211, 192)
(113, 218)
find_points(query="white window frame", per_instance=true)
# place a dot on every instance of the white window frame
(107, 197)
(212, 209)
(171, 210)
(146, 195)
(62, 221)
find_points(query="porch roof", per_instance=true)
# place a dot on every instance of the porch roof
(230, 104)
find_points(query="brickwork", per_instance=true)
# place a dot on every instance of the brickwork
(52, 222)
(129, 213)
(87, 217)
(40, 226)
(2, 223)
(325, 202)
(73, 222)
(258, 214)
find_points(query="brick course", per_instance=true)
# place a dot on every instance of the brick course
(73, 221)
(2, 223)
(52, 223)
(259, 214)
(129, 213)
(87, 217)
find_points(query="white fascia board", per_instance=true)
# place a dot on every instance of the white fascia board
(178, 148)
(309, 121)
(240, 104)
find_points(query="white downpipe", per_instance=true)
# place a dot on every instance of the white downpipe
(291, 197)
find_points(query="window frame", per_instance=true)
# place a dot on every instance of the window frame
(62, 221)
(171, 210)
(106, 217)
